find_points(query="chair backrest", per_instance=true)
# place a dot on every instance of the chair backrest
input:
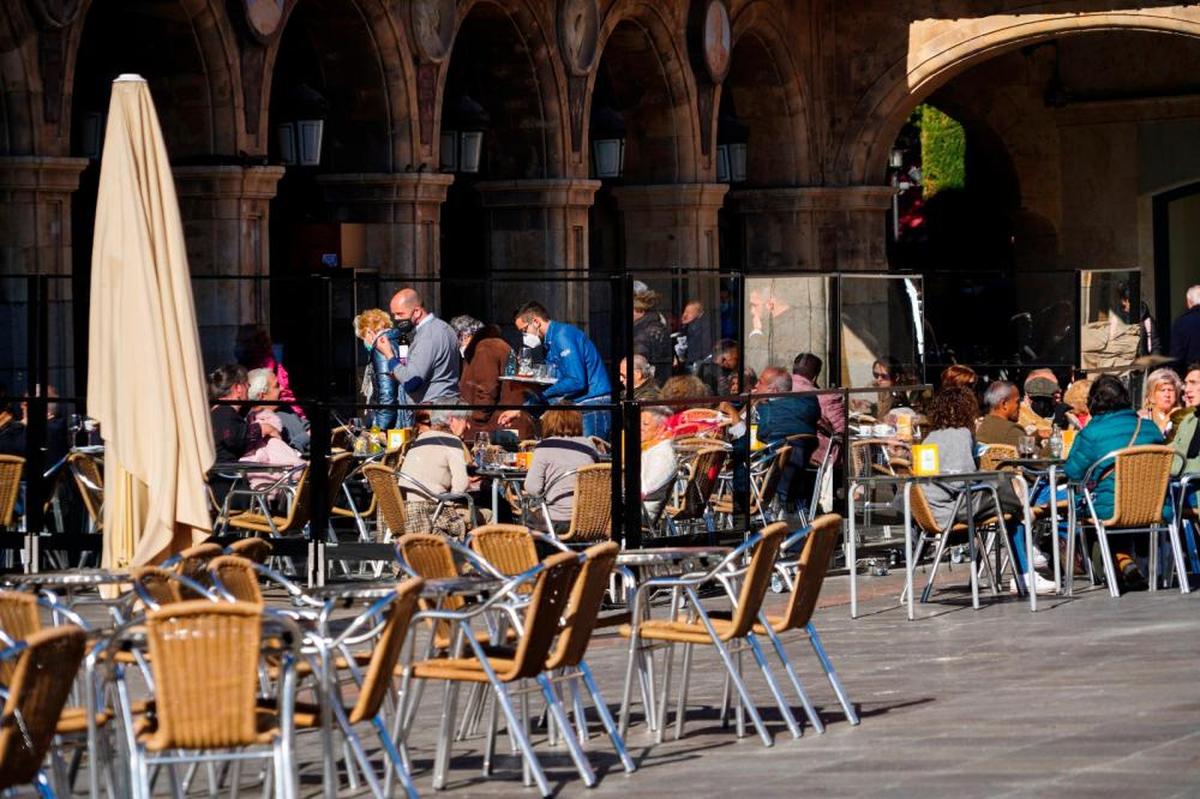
(11, 467)
(703, 470)
(1141, 477)
(157, 584)
(388, 498)
(382, 667)
(239, 578)
(757, 580)
(591, 515)
(583, 606)
(340, 466)
(19, 619)
(90, 481)
(510, 548)
(994, 454)
(774, 473)
(811, 567)
(204, 657)
(342, 437)
(41, 681)
(255, 549)
(431, 557)
(193, 564)
(547, 601)
(301, 509)
(922, 513)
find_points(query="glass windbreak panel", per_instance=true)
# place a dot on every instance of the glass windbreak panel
(1043, 327)
(882, 329)
(787, 317)
(14, 328)
(1109, 310)
(679, 321)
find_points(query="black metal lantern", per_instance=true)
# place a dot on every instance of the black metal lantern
(608, 142)
(301, 136)
(733, 144)
(463, 126)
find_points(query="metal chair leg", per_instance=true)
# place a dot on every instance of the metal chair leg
(606, 718)
(784, 709)
(577, 754)
(811, 712)
(831, 674)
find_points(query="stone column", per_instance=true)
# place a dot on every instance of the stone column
(400, 214)
(225, 210)
(35, 238)
(539, 225)
(671, 225)
(818, 229)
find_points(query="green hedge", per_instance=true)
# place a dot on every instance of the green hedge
(943, 151)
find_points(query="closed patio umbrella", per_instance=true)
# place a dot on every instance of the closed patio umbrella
(146, 382)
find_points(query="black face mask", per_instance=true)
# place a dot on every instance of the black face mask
(403, 326)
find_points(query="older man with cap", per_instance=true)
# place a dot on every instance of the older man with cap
(427, 367)
(1043, 395)
(644, 386)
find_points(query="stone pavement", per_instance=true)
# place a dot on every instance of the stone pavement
(1090, 696)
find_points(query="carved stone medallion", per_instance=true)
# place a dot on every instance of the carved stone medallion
(717, 40)
(264, 17)
(432, 27)
(578, 29)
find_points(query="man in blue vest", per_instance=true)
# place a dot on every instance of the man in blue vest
(582, 379)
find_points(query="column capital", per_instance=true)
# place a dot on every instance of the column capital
(385, 188)
(813, 198)
(226, 181)
(670, 196)
(40, 173)
(538, 193)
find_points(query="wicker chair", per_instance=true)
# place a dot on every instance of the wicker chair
(764, 486)
(548, 599)
(591, 504)
(256, 549)
(19, 619)
(704, 470)
(193, 564)
(89, 479)
(432, 557)
(805, 576)
(395, 520)
(156, 587)
(300, 512)
(11, 467)
(374, 684)
(205, 659)
(391, 459)
(40, 682)
(693, 625)
(993, 455)
(1141, 476)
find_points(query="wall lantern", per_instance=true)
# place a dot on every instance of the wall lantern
(464, 124)
(897, 159)
(733, 139)
(300, 138)
(608, 143)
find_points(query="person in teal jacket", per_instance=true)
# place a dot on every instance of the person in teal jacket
(1114, 425)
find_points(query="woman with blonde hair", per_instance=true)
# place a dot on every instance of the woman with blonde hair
(378, 385)
(1076, 398)
(1162, 397)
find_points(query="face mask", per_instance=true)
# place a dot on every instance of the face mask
(403, 326)
(462, 351)
(531, 340)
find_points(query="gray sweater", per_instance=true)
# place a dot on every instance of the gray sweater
(431, 371)
(956, 453)
(553, 458)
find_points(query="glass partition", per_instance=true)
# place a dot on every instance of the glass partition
(883, 337)
(785, 317)
(1110, 307)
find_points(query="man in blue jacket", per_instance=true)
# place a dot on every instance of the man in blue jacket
(1185, 333)
(582, 379)
(781, 417)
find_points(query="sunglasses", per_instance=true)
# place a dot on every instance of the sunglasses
(881, 375)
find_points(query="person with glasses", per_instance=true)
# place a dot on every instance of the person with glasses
(582, 379)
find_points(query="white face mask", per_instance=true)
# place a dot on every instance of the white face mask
(462, 351)
(531, 340)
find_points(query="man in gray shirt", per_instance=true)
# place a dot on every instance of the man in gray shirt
(428, 366)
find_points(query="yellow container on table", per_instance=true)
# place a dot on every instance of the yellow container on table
(398, 437)
(925, 460)
(1068, 437)
(755, 444)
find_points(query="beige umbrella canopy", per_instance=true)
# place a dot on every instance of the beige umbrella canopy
(146, 382)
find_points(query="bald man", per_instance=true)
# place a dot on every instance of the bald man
(427, 367)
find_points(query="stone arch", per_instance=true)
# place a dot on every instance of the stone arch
(373, 90)
(951, 46)
(544, 107)
(649, 26)
(20, 114)
(776, 110)
(204, 25)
